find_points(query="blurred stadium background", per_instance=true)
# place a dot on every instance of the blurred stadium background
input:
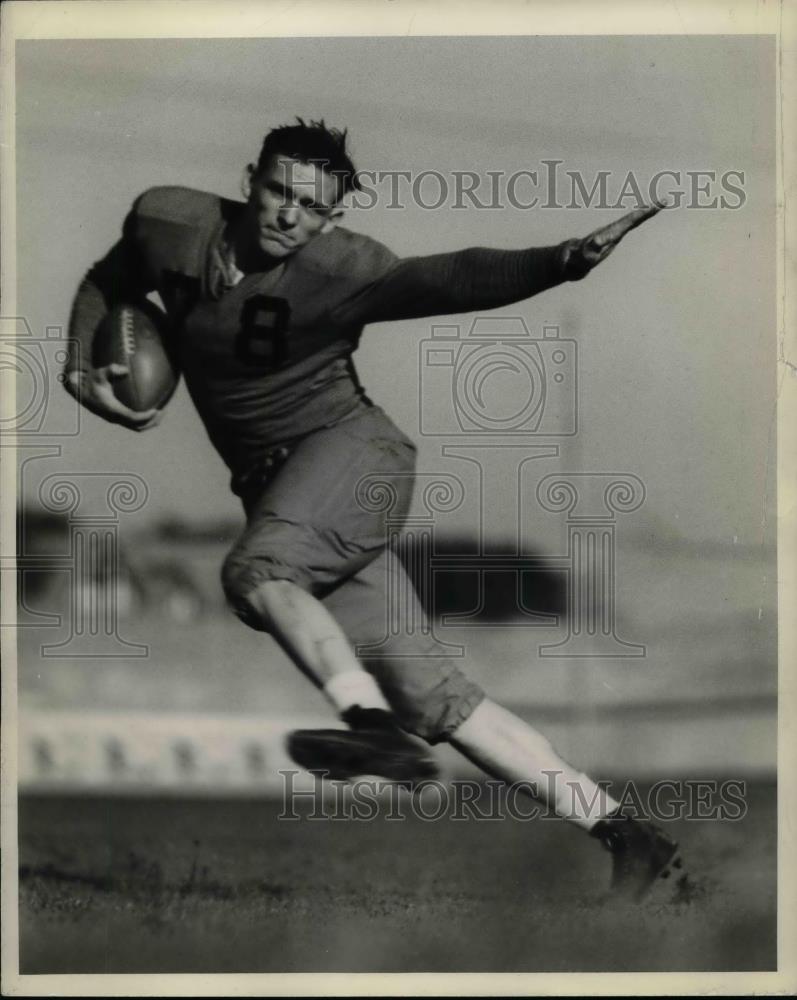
(701, 701)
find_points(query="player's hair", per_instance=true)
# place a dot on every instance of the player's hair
(313, 142)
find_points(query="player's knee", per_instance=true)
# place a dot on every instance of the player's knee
(236, 585)
(428, 694)
(437, 720)
(246, 588)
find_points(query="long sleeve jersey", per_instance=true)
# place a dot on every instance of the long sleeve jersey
(268, 359)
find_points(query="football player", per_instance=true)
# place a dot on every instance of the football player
(267, 299)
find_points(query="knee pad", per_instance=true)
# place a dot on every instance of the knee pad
(240, 577)
(236, 585)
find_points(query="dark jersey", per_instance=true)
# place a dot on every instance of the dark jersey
(268, 359)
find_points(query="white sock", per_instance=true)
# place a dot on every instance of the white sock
(507, 748)
(354, 687)
(574, 795)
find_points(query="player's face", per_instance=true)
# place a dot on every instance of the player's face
(289, 203)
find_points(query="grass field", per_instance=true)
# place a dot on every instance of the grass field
(159, 885)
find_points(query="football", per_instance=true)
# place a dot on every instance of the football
(135, 336)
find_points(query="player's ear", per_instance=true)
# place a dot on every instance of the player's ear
(332, 220)
(246, 180)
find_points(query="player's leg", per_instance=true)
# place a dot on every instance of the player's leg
(382, 615)
(433, 699)
(314, 641)
(297, 546)
(428, 695)
(507, 748)
(305, 534)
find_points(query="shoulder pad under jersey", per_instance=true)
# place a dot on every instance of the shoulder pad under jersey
(173, 226)
(345, 254)
(178, 205)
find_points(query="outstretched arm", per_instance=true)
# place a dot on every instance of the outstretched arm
(474, 279)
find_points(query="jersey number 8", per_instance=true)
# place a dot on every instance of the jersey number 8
(263, 340)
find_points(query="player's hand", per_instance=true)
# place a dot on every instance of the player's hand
(580, 256)
(94, 389)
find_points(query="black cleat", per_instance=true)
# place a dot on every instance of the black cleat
(374, 745)
(641, 853)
